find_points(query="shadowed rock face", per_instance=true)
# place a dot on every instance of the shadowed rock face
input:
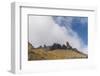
(30, 47)
(68, 45)
(55, 51)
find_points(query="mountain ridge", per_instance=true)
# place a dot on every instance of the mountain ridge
(55, 51)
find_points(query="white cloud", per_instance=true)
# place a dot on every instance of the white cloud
(43, 30)
(67, 20)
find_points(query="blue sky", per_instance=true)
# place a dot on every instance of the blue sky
(59, 29)
(79, 25)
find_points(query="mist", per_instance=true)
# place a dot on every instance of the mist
(43, 30)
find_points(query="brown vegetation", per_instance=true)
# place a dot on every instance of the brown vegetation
(48, 54)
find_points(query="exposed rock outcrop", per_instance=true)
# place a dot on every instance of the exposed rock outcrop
(55, 51)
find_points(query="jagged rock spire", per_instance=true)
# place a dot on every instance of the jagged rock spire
(68, 45)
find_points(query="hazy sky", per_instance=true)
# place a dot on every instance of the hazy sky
(59, 29)
(77, 24)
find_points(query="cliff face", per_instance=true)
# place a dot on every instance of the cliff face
(30, 47)
(54, 52)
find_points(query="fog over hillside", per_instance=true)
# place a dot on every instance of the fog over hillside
(44, 30)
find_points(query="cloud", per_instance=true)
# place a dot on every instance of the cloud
(75, 24)
(63, 21)
(43, 30)
(67, 20)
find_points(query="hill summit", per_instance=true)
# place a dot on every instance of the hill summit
(55, 51)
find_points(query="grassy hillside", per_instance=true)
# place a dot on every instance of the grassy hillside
(47, 54)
